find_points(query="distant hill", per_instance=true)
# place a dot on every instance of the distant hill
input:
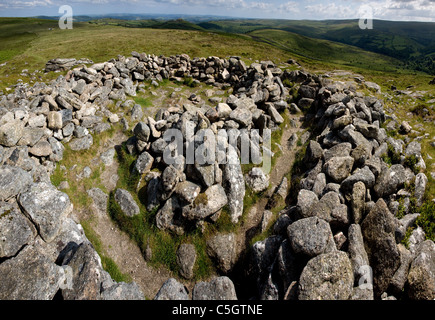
(141, 16)
(178, 24)
(326, 51)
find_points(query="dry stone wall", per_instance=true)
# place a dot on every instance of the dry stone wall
(340, 239)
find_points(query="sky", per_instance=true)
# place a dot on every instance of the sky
(397, 10)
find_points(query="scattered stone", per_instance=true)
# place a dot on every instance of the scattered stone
(187, 191)
(99, 199)
(41, 149)
(314, 152)
(390, 180)
(107, 157)
(11, 133)
(122, 291)
(357, 253)
(54, 119)
(79, 144)
(405, 127)
(30, 276)
(165, 217)
(12, 181)
(400, 277)
(338, 168)
(234, 184)
(142, 131)
(144, 163)
(267, 215)
(15, 230)
(306, 200)
(358, 201)
(205, 204)
(87, 270)
(420, 188)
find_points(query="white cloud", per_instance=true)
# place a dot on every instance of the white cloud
(417, 10)
(332, 11)
(423, 10)
(25, 4)
(290, 6)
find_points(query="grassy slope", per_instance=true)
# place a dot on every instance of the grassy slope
(395, 34)
(327, 52)
(411, 42)
(152, 23)
(15, 35)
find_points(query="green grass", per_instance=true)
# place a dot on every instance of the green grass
(80, 159)
(144, 102)
(326, 52)
(411, 43)
(391, 157)
(142, 228)
(178, 24)
(426, 220)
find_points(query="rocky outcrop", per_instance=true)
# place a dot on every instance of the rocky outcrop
(344, 204)
(44, 253)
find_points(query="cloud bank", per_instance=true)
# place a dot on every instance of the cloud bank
(416, 10)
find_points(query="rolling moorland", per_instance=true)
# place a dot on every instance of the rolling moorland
(402, 66)
(411, 43)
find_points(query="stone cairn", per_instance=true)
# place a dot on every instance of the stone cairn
(342, 228)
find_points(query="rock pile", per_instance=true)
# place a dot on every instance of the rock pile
(341, 230)
(36, 122)
(342, 239)
(192, 192)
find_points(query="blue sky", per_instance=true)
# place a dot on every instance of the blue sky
(404, 10)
